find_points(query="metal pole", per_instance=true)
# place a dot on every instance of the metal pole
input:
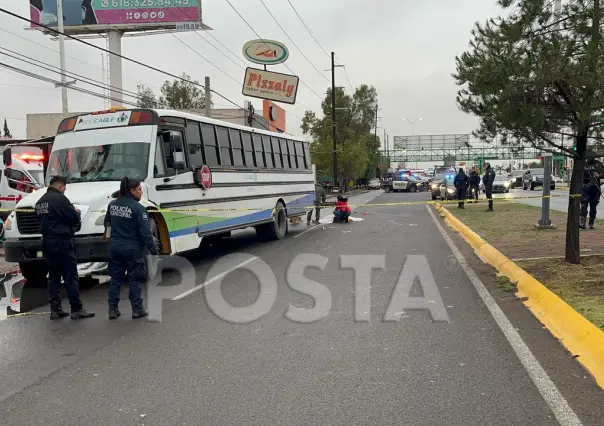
(106, 100)
(545, 221)
(115, 67)
(333, 116)
(208, 98)
(62, 56)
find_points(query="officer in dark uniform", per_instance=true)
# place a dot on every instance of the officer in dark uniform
(461, 183)
(590, 197)
(474, 184)
(488, 179)
(58, 219)
(130, 236)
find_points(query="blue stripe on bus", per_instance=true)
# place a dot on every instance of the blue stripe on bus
(295, 206)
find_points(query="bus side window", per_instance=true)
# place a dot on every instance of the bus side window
(287, 164)
(300, 154)
(176, 152)
(193, 142)
(277, 153)
(210, 145)
(292, 155)
(248, 149)
(159, 168)
(268, 152)
(237, 148)
(307, 159)
(225, 146)
(258, 152)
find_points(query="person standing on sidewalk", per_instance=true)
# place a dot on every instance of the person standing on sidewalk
(474, 184)
(320, 197)
(488, 179)
(590, 197)
(58, 219)
(461, 183)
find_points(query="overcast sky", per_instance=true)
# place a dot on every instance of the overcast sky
(406, 49)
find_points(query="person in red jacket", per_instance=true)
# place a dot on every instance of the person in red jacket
(342, 211)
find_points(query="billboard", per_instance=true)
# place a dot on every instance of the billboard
(95, 15)
(269, 85)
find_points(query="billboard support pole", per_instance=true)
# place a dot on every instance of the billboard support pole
(208, 98)
(114, 38)
(62, 56)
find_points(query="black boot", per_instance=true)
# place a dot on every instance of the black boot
(114, 314)
(58, 314)
(591, 223)
(582, 224)
(81, 314)
(139, 313)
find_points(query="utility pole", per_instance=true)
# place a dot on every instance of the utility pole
(333, 117)
(62, 56)
(208, 98)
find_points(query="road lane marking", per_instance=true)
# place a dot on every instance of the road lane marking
(214, 278)
(557, 403)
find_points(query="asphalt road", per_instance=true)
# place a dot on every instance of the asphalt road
(350, 367)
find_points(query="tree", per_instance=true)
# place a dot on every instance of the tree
(176, 94)
(535, 78)
(358, 148)
(146, 97)
(179, 94)
(7, 133)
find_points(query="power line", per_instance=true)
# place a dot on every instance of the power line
(307, 28)
(22, 18)
(223, 54)
(258, 35)
(293, 42)
(72, 57)
(68, 73)
(50, 80)
(232, 53)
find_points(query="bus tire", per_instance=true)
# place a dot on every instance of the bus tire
(34, 272)
(155, 233)
(276, 230)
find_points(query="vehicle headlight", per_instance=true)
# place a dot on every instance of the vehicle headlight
(434, 186)
(100, 221)
(506, 183)
(450, 190)
(8, 225)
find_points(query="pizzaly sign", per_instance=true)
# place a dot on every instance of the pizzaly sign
(270, 85)
(265, 52)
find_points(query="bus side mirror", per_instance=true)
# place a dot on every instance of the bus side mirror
(7, 157)
(6, 172)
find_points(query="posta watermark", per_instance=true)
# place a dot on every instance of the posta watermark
(182, 282)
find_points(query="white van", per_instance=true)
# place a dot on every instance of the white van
(24, 176)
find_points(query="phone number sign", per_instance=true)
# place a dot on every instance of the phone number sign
(145, 11)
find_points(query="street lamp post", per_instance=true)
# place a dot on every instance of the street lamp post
(412, 122)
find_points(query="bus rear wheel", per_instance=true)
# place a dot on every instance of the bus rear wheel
(276, 230)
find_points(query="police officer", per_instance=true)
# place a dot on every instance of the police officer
(474, 184)
(487, 180)
(58, 219)
(590, 197)
(320, 197)
(130, 236)
(461, 183)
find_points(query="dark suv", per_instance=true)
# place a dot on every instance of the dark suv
(533, 178)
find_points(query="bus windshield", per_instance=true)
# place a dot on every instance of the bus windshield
(100, 163)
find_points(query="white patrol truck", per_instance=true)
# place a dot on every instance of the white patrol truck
(23, 176)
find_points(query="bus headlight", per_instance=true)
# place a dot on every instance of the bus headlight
(8, 225)
(100, 221)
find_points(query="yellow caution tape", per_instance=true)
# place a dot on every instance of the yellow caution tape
(403, 203)
(24, 314)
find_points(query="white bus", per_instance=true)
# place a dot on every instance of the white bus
(213, 177)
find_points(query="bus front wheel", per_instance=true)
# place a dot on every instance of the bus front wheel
(276, 230)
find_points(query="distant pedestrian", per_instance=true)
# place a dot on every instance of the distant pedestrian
(58, 220)
(590, 197)
(320, 197)
(461, 183)
(487, 180)
(474, 184)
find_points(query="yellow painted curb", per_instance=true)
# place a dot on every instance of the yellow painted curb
(583, 339)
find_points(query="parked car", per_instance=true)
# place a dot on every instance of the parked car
(403, 182)
(447, 188)
(435, 185)
(533, 178)
(374, 184)
(501, 184)
(516, 178)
